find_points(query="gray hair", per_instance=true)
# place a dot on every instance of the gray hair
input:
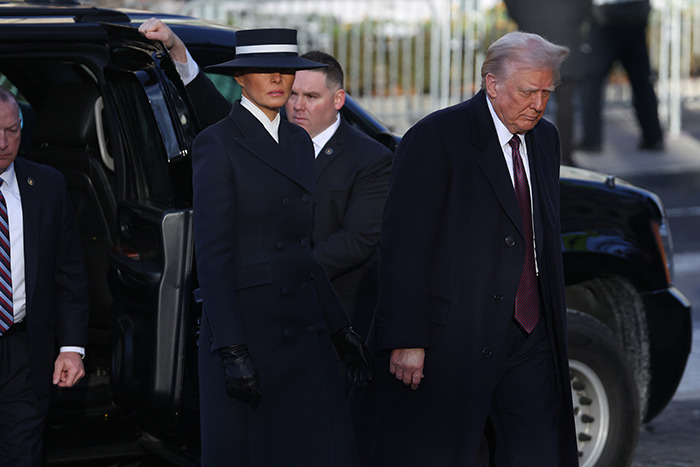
(523, 48)
(7, 96)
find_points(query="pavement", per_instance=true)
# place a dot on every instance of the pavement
(621, 157)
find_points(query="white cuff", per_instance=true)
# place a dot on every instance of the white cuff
(80, 350)
(187, 71)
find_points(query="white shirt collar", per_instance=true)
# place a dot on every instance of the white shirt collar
(10, 179)
(272, 127)
(322, 138)
(504, 135)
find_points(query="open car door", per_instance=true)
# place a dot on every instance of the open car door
(153, 324)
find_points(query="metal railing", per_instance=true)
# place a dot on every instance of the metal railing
(406, 58)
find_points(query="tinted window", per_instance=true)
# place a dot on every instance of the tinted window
(146, 162)
(158, 134)
(226, 85)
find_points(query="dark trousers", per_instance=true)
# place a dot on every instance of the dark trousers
(522, 427)
(22, 413)
(626, 43)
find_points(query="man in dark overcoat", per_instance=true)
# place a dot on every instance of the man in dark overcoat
(469, 336)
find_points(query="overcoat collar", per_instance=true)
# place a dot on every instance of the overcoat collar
(539, 192)
(287, 157)
(490, 157)
(493, 164)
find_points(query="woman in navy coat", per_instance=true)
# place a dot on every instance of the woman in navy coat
(270, 391)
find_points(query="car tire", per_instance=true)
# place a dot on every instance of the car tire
(604, 391)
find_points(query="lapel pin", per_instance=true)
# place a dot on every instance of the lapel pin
(30, 181)
(328, 151)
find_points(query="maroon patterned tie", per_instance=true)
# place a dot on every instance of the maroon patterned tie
(527, 302)
(6, 313)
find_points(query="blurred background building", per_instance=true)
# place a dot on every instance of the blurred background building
(406, 58)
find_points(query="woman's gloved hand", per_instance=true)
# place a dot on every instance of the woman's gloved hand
(242, 380)
(354, 354)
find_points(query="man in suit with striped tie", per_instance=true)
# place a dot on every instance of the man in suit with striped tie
(43, 293)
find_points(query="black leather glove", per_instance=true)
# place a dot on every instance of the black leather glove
(242, 380)
(354, 354)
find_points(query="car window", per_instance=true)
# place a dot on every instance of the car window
(26, 114)
(226, 85)
(146, 159)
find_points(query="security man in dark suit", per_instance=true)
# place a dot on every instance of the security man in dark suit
(43, 293)
(352, 178)
(469, 335)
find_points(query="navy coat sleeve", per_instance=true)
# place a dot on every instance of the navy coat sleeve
(70, 279)
(214, 203)
(417, 191)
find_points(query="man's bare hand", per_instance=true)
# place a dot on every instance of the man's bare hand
(407, 366)
(157, 30)
(68, 369)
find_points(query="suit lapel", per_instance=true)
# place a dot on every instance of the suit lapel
(285, 157)
(491, 158)
(30, 194)
(539, 192)
(332, 149)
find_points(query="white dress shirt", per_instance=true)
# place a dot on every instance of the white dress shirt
(187, 71)
(322, 138)
(504, 136)
(272, 126)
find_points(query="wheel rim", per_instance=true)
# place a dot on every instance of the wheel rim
(591, 412)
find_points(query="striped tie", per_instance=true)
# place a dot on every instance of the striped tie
(6, 314)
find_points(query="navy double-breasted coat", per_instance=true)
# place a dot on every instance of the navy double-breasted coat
(452, 255)
(253, 208)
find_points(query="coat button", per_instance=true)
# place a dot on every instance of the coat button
(285, 291)
(510, 241)
(304, 286)
(311, 330)
(280, 245)
(306, 198)
(311, 275)
(304, 242)
(486, 352)
(285, 202)
(498, 298)
(287, 333)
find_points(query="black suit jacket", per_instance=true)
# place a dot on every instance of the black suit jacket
(56, 283)
(352, 179)
(452, 255)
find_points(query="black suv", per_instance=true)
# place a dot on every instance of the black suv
(107, 108)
